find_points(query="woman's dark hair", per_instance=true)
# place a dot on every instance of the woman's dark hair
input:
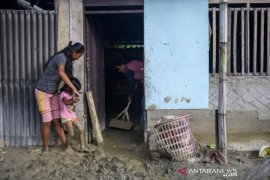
(75, 82)
(77, 47)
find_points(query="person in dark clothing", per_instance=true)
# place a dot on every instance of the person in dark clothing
(134, 73)
(59, 67)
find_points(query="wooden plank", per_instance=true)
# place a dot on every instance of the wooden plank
(95, 3)
(268, 42)
(97, 136)
(235, 43)
(247, 42)
(214, 40)
(242, 42)
(262, 42)
(255, 40)
(229, 42)
(114, 12)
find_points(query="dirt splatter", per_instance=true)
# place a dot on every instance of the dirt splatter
(184, 99)
(167, 99)
(152, 107)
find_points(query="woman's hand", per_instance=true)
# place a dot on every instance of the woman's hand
(75, 99)
(76, 93)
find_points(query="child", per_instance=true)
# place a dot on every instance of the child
(67, 112)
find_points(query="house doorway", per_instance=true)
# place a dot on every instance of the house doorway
(112, 39)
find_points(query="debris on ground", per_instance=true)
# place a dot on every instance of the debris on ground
(209, 155)
(261, 171)
(121, 158)
(2, 155)
(264, 151)
(20, 164)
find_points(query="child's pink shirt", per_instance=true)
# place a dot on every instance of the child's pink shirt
(66, 111)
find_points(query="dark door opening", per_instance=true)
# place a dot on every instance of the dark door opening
(113, 38)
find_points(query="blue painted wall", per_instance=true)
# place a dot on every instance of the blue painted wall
(176, 54)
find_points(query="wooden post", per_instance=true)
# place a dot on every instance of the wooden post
(97, 136)
(268, 43)
(247, 43)
(70, 15)
(63, 30)
(214, 36)
(242, 42)
(223, 42)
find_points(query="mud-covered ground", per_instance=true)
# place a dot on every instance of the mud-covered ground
(124, 156)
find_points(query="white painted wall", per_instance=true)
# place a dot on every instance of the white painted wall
(176, 54)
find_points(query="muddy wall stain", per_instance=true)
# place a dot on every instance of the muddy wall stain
(152, 107)
(167, 99)
(184, 99)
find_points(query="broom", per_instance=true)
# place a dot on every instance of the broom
(122, 120)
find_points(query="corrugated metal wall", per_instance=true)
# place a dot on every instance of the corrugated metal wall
(27, 40)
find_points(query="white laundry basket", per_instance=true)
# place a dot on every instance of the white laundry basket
(174, 138)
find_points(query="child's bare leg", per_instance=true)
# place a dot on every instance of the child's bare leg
(80, 127)
(70, 130)
(60, 131)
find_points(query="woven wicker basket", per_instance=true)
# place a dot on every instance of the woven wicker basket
(174, 138)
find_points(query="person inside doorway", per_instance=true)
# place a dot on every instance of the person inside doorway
(134, 73)
(59, 67)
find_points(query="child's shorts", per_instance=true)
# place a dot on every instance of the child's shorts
(48, 105)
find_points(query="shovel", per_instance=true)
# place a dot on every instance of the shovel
(122, 120)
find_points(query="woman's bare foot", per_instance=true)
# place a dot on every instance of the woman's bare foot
(65, 146)
(45, 149)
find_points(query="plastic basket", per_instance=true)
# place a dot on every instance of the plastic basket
(175, 139)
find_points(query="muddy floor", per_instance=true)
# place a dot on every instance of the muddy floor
(123, 156)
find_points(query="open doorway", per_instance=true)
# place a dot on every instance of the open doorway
(111, 39)
(123, 37)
